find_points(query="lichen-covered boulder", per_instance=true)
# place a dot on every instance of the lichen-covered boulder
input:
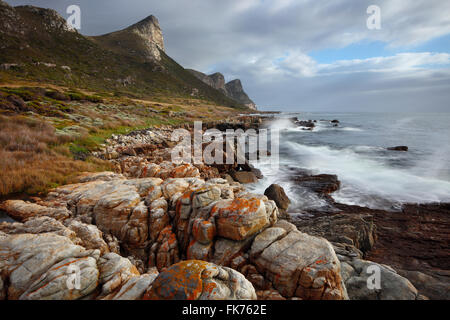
(240, 218)
(22, 211)
(35, 266)
(54, 283)
(40, 225)
(297, 264)
(90, 236)
(200, 280)
(115, 271)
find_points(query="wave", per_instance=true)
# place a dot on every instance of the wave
(369, 182)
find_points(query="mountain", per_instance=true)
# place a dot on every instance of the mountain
(232, 89)
(143, 40)
(236, 92)
(37, 45)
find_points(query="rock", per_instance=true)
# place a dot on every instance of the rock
(40, 225)
(299, 265)
(98, 176)
(22, 211)
(164, 252)
(357, 230)
(269, 295)
(413, 239)
(91, 237)
(393, 286)
(244, 177)
(115, 271)
(265, 239)
(308, 125)
(434, 287)
(200, 280)
(398, 148)
(226, 250)
(35, 266)
(240, 218)
(322, 183)
(277, 194)
(134, 288)
(53, 284)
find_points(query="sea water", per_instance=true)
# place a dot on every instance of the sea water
(356, 151)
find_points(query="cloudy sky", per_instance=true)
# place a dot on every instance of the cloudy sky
(300, 55)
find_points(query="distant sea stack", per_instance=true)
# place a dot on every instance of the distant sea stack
(232, 89)
(143, 40)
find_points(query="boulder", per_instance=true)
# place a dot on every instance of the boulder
(392, 285)
(35, 266)
(240, 218)
(360, 277)
(398, 148)
(298, 265)
(322, 183)
(40, 225)
(115, 271)
(200, 280)
(244, 177)
(277, 194)
(353, 229)
(22, 211)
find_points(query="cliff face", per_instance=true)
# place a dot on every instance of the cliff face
(232, 89)
(236, 92)
(143, 40)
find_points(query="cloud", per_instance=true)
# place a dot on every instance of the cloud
(269, 45)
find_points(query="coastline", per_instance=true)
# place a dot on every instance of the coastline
(356, 233)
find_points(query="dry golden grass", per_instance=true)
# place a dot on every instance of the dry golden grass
(33, 159)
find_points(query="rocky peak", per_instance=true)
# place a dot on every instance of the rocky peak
(232, 89)
(218, 80)
(150, 30)
(143, 40)
(236, 92)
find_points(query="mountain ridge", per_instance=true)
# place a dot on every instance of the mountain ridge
(232, 89)
(38, 45)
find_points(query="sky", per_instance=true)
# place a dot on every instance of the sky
(300, 55)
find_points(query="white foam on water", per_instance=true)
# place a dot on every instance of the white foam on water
(364, 179)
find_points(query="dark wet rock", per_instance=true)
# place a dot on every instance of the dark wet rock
(434, 287)
(250, 168)
(413, 240)
(243, 177)
(322, 183)
(335, 121)
(309, 124)
(351, 229)
(277, 194)
(399, 148)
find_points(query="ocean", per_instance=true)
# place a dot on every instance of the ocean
(356, 151)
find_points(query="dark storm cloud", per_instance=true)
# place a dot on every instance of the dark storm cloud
(268, 44)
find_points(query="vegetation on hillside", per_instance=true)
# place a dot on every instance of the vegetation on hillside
(54, 55)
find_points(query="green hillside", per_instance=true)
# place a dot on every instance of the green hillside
(36, 45)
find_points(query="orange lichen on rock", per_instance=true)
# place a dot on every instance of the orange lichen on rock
(240, 218)
(182, 281)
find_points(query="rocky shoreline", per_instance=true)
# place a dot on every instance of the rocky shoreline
(156, 230)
